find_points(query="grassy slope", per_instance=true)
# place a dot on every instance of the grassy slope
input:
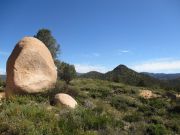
(104, 108)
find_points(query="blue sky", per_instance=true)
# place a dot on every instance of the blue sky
(99, 34)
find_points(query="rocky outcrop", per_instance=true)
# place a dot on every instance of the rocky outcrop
(30, 68)
(147, 94)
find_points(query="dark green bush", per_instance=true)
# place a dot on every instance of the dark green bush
(134, 117)
(156, 129)
(27, 119)
(87, 120)
(122, 102)
(101, 92)
(174, 125)
(175, 109)
(155, 106)
(157, 103)
(146, 110)
(156, 120)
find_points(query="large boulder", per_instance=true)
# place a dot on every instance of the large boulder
(65, 99)
(30, 68)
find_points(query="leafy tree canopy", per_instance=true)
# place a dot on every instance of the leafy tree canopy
(46, 37)
(66, 71)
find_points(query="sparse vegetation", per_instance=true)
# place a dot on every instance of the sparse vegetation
(42, 93)
(104, 108)
(156, 129)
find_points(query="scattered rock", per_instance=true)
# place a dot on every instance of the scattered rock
(65, 99)
(2, 95)
(30, 68)
(147, 94)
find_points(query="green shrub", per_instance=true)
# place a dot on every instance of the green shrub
(146, 110)
(25, 115)
(174, 109)
(156, 129)
(27, 119)
(72, 122)
(173, 125)
(156, 120)
(134, 117)
(157, 103)
(122, 102)
(155, 106)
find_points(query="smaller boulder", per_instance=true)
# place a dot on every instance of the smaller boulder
(2, 95)
(65, 99)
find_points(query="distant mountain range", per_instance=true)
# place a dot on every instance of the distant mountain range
(163, 76)
(3, 77)
(128, 76)
(125, 75)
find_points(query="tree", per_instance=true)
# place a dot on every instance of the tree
(58, 65)
(46, 37)
(66, 71)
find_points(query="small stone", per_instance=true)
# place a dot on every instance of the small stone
(2, 95)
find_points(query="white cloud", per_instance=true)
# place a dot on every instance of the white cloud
(123, 51)
(84, 68)
(165, 65)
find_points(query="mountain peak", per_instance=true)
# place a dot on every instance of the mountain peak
(121, 67)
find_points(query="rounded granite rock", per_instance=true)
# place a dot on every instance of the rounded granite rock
(30, 68)
(65, 99)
